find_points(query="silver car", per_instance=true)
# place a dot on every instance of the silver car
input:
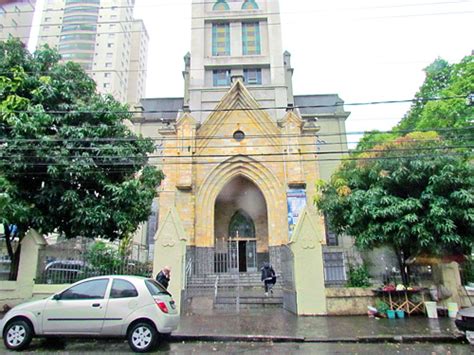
(131, 307)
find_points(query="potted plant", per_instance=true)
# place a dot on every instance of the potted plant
(382, 308)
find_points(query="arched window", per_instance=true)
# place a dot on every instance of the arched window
(221, 5)
(241, 225)
(250, 5)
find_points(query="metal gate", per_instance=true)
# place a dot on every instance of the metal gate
(288, 279)
(241, 256)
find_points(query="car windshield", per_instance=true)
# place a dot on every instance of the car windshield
(155, 288)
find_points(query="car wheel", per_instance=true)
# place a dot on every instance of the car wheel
(17, 335)
(142, 337)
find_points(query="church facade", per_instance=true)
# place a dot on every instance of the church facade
(241, 153)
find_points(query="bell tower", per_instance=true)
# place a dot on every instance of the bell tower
(236, 38)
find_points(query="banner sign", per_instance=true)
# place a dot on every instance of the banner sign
(296, 200)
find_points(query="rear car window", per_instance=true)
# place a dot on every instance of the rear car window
(123, 289)
(155, 288)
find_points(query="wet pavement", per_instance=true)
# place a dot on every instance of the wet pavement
(279, 323)
(121, 347)
(276, 331)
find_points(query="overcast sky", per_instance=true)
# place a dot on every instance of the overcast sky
(363, 50)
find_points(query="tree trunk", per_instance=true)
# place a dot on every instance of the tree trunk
(14, 255)
(15, 263)
(8, 241)
(402, 266)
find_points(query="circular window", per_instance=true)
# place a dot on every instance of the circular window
(239, 136)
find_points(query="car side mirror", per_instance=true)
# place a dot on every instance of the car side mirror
(57, 297)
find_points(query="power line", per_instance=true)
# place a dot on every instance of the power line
(49, 139)
(200, 156)
(234, 162)
(203, 28)
(190, 69)
(320, 144)
(337, 104)
(238, 17)
(157, 5)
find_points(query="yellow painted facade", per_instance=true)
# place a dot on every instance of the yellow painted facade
(199, 160)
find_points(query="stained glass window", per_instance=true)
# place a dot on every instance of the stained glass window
(220, 39)
(220, 5)
(250, 5)
(251, 38)
(241, 225)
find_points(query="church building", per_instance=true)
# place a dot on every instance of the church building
(241, 153)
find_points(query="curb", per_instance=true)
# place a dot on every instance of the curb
(375, 339)
(237, 338)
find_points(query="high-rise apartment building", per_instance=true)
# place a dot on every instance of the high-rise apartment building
(138, 62)
(16, 19)
(98, 35)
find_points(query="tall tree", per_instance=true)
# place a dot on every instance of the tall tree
(413, 194)
(441, 104)
(450, 85)
(68, 163)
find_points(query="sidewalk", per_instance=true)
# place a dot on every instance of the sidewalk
(280, 326)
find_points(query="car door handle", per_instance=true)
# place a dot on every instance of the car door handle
(96, 305)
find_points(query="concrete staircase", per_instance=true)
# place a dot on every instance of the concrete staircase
(245, 287)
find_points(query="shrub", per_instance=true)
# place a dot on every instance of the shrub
(468, 271)
(358, 276)
(104, 259)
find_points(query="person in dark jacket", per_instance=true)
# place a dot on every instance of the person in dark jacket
(268, 277)
(163, 276)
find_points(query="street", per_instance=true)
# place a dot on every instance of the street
(121, 347)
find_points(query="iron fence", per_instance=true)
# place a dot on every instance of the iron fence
(71, 261)
(335, 273)
(287, 278)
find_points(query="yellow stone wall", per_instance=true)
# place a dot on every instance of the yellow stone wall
(199, 162)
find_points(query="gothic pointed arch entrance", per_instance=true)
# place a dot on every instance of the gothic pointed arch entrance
(240, 227)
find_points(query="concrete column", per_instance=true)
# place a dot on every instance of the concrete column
(27, 269)
(449, 276)
(306, 245)
(170, 250)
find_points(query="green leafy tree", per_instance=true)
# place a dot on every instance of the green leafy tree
(395, 195)
(68, 163)
(374, 138)
(437, 78)
(452, 84)
(440, 103)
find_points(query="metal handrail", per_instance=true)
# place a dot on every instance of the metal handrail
(216, 288)
(188, 271)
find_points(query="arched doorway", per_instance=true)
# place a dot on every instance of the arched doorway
(240, 227)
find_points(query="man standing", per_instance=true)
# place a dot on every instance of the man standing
(268, 277)
(163, 276)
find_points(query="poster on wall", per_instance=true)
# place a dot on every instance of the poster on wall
(296, 200)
